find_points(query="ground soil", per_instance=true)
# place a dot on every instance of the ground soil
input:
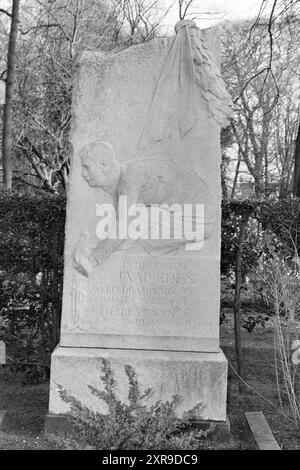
(261, 392)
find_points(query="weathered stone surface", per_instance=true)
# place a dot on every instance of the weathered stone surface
(261, 431)
(140, 302)
(154, 302)
(197, 377)
(2, 353)
(146, 126)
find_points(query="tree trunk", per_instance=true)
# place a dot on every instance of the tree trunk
(9, 93)
(297, 165)
(223, 178)
(237, 300)
(236, 175)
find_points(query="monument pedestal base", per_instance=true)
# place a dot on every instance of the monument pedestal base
(199, 378)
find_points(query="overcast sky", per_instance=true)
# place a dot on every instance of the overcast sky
(219, 10)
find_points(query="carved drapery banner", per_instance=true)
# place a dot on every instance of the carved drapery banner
(189, 71)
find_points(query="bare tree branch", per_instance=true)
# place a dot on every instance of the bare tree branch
(40, 26)
(5, 12)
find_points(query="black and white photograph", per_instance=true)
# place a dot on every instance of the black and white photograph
(149, 228)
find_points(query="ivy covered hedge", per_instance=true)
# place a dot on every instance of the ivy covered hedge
(31, 231)
(31, 269)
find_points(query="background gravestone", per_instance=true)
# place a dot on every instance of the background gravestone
(152, 115)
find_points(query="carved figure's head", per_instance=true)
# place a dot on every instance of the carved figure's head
(100, 167)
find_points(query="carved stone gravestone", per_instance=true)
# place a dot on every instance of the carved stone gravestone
(146, 135)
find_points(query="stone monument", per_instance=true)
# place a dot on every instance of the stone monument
(145, 135)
